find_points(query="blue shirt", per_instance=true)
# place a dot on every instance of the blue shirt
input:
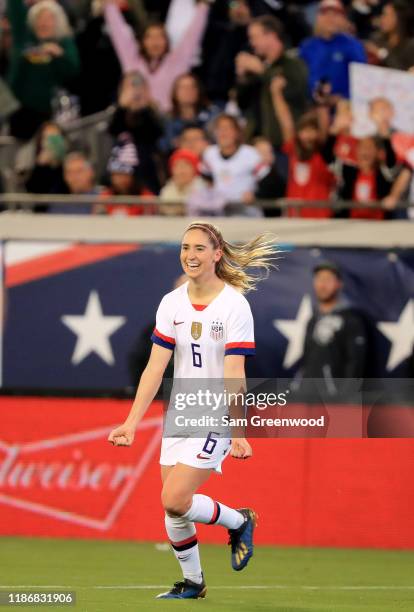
(329, 60)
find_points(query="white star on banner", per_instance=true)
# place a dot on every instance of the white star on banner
(401, 335)
(93, 330)
(294, 330)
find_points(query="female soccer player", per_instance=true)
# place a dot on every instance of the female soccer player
(208, 324)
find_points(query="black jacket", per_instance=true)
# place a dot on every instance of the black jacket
(335, 348)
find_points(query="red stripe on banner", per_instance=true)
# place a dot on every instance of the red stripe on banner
(192, 538)
(67, 259)
(215, 513)
(165, 338)
(231, 345)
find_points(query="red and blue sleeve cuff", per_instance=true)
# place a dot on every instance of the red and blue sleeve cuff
(162, 340)
(240, 348)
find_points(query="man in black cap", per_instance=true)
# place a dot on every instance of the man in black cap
(336, 340)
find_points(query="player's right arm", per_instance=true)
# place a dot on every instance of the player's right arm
(148, 386)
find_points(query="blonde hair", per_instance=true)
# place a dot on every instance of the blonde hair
(63, 29)
(257, 253)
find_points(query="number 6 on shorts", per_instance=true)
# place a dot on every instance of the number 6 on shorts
(210, 443)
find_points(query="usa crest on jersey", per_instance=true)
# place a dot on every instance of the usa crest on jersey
(217, 330)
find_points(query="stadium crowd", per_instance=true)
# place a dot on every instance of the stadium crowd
(214, 106)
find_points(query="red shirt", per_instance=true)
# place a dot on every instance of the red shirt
(365, 190)
(345, 148)
(128, 211)
(308, 180)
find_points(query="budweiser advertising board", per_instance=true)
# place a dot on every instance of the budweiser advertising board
(60, 477)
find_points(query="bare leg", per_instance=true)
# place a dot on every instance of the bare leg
(180, 482)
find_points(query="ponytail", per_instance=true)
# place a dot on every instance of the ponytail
(237, 258)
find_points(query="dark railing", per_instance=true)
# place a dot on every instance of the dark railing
(24, 201)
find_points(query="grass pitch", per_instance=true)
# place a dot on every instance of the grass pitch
(117, 576)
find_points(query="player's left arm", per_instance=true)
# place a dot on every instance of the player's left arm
(235, 382)
(239, 345)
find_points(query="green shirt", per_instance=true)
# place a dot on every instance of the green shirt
(34, 75)
(255, 99)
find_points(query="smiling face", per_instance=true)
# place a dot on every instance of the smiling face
(226, 132)
(198, 255)
(45, 25)
(155, 42)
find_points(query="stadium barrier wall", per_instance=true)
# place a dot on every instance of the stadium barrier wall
(60, 478)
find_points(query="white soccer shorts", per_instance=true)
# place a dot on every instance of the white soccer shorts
(196, 452)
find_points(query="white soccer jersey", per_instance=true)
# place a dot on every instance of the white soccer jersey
(235, 175)
(200, 339)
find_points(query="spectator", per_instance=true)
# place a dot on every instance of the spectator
(185, 179)
(136, 114)
(393, 45)
(336, 339)
(124, 178)
(80, 179)
(43, 58)
(153, 59)
(8, 103)
(235, 168)
(272, 185)
(96, 92)
(50, 149)
(205, 200)
(189, 107)
(330, 51)
(255, 73)
(402, 187)
(346, 143)
(290, 13)
(95, 48)
(225, 37)
(371, 179)
(364, 15)
(193, 139)
(309, 177)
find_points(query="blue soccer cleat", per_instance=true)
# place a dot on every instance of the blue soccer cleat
(186, 589)
(241, 540)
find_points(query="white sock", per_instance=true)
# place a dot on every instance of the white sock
(206, 510)
(182, 535)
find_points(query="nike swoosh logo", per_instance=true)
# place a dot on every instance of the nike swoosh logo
(200, 456)
(178, 322)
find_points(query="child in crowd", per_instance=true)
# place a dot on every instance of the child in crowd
(309, 177)
(185, 179)
(370, 179)
(123, 168)
(193, 138)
